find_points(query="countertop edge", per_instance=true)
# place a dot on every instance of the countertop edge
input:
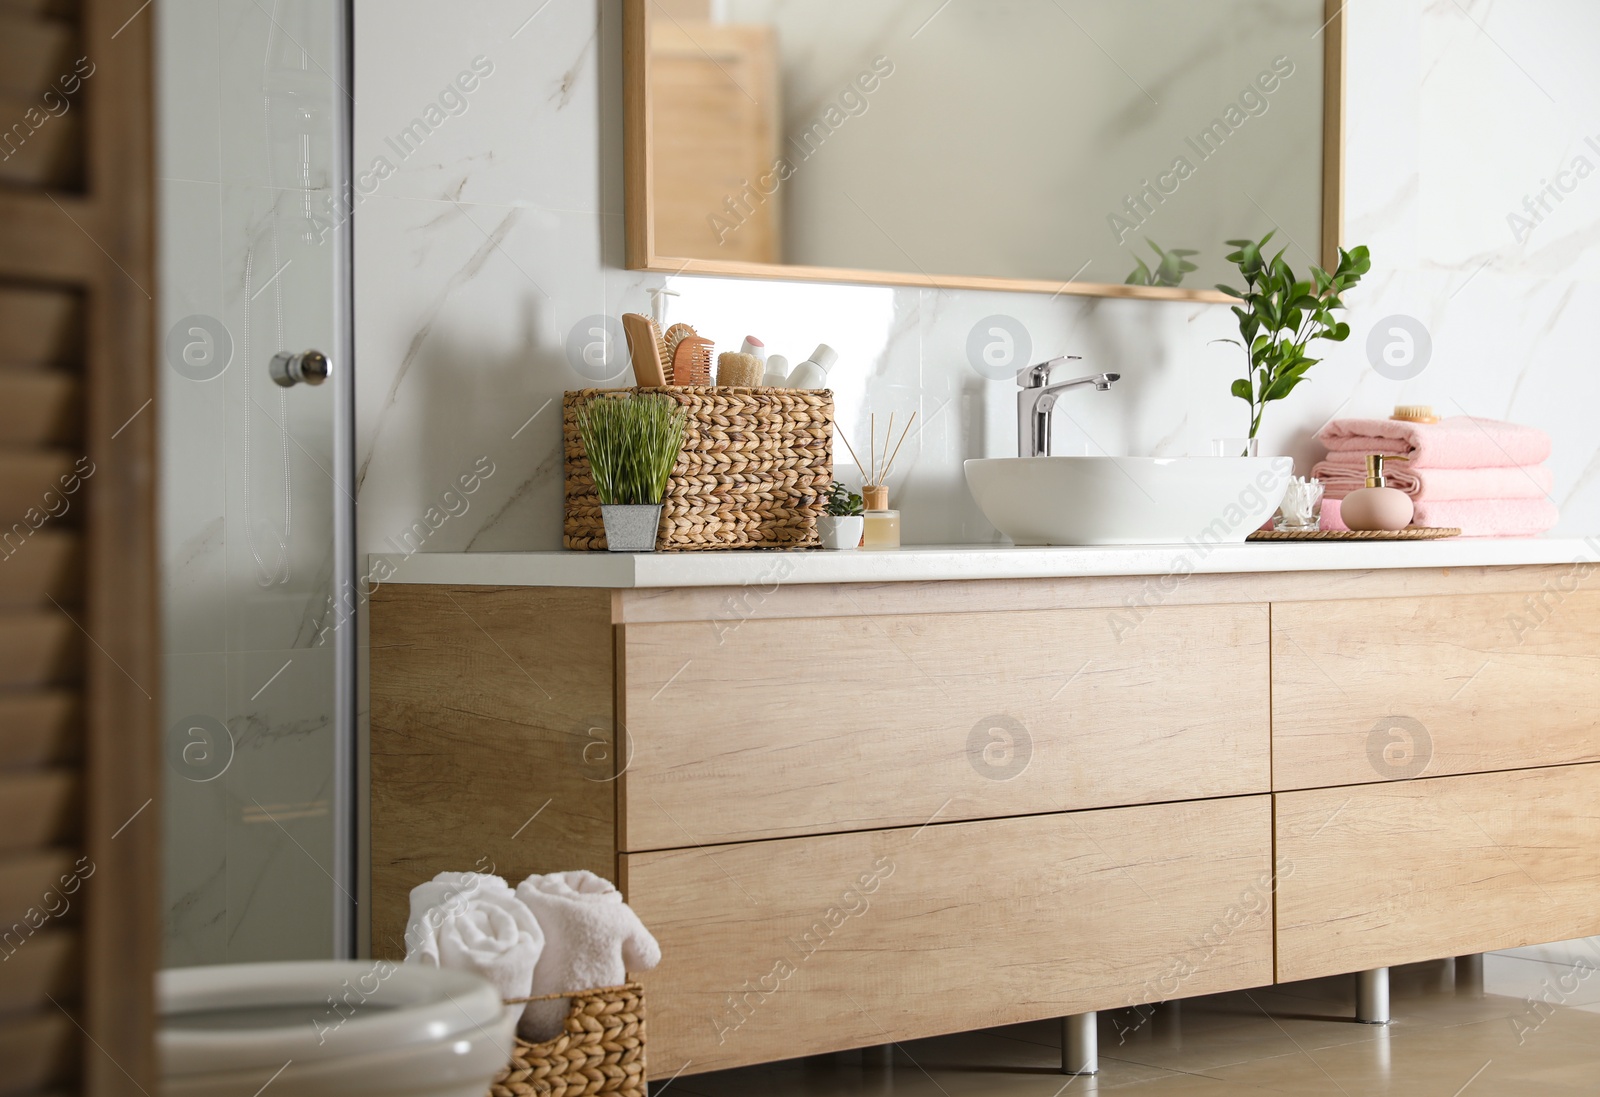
(934, 563)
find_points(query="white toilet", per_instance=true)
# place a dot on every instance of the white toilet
(321, 1029)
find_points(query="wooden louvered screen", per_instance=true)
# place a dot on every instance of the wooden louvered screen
(79, 756)
(43, 141)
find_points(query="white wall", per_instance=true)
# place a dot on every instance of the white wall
(484, 249)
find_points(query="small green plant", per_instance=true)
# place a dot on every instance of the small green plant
(842, 502)
(1281, 315)
(632, 442)
(1169, 270)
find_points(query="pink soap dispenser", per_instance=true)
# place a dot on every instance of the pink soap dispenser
(1377, 506)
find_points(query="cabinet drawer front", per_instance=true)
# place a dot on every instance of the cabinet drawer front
(786, 727)
(1374, 690)
(1415, 870)
(804, 945)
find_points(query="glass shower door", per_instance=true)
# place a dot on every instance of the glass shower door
(256, 480)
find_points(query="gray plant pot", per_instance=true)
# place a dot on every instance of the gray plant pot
(631, 527)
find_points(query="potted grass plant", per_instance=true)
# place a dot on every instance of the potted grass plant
(632, 442)
(841, 527)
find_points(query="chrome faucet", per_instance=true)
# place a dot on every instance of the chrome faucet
(1037, 400)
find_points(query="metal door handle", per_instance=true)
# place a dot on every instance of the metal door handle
(310, 367)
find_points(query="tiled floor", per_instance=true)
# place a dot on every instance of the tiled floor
(1533, 1028)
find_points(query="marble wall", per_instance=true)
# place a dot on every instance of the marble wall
(485, 254)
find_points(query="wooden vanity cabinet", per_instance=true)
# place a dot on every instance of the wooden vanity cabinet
(1376, 875)
(1434, 759)
(784, 947)
(1377, 689)
(815, 725)
(861, 813)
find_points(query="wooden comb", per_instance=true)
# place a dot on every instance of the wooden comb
(646, 348)
(691, 361)
(690, 369)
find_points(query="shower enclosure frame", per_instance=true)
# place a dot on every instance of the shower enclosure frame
(347, 798)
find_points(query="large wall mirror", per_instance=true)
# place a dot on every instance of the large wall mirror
(1103, 147)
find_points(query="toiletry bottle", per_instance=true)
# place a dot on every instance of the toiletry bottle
(754, 347)
(777, 375)
(881, 526)
(658, 305)
(813, 372)
(1377, 506)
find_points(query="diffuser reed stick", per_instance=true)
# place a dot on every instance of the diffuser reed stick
(877, 469)
(853, 456)
(890, 464)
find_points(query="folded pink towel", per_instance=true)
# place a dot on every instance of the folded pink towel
(1475, 518)
(1462, 442)
(1342, 473)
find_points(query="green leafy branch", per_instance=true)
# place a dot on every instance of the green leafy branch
(1169, 270)
(1281, 315)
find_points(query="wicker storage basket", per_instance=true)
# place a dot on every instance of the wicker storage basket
(754, 470)
(601, 1051)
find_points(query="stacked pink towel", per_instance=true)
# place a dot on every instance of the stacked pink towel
(1482, 475)
(1464, 442)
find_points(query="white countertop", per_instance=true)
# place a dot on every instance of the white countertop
(922, 563)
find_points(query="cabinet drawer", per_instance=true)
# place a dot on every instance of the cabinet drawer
(805, 945)
(1416, 870)
(1372, 690)
(786, 727)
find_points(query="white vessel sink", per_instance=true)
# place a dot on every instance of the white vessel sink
(1128, 500)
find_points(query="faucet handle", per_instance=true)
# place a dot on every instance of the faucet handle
(1037, 376)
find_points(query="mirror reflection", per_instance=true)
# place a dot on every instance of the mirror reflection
(1046, 140)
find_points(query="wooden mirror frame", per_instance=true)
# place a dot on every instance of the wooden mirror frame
(638, 172)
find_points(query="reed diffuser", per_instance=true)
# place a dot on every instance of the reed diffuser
(882, 525)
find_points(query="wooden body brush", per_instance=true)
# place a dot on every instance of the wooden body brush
(646, 348)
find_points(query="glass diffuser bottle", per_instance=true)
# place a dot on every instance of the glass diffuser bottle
(881, 528)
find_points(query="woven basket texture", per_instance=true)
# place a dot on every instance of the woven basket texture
(600, 1051)
(753, 473)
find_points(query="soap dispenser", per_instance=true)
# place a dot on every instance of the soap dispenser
(1377, 506)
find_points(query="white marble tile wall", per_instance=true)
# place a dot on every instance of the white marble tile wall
(501, 233)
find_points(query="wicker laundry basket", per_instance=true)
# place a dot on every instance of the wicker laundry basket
(600, 1051)
(753, 473)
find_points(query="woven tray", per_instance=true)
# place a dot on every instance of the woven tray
(753, 474)
(600, 1051)
(1410, 533)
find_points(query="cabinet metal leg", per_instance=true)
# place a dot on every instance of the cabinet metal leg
(1469, 975)
(1167, 1025)
(1372, 996)
(1080, 1047)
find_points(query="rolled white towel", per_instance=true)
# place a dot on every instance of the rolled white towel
(592, 939)
(470, 921)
